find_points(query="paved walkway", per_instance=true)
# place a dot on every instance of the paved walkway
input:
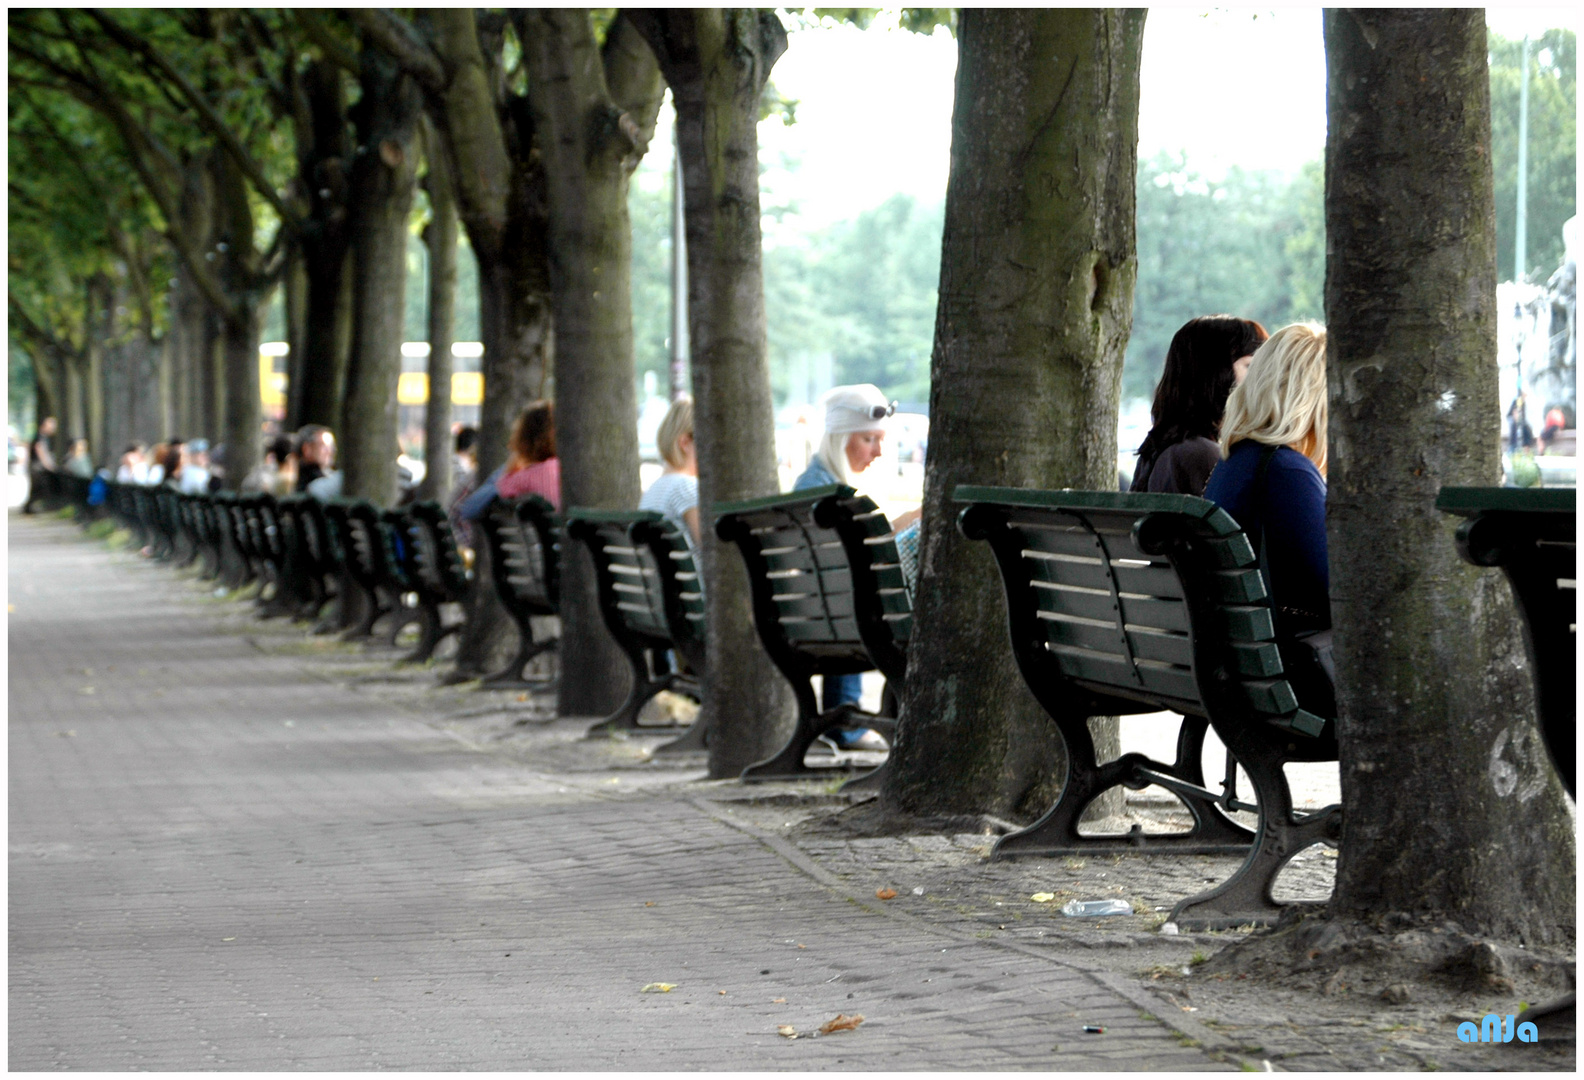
(221, 860)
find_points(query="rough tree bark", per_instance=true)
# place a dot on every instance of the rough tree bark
(1036, 291)
(237, 422)
(1452, 809)
(317, 390)
(594, 112)
(716, 63)
(380, 195)
(440, 236)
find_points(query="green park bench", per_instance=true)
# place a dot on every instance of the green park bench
(652, 604)
(1122, 604)
(828, 599)
(198, 521)
(309, 566)
(524, 544)
(432, 571)
(1531, 534)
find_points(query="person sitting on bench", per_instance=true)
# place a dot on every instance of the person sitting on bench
(1207, 358)
(1272, 482)
(675, 492)
(531, 468)
(854, 436)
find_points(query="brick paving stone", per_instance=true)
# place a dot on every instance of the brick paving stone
(222, 859)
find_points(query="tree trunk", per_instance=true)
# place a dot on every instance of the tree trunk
(591, 144)
(383, 177)
(323, 156)
(100, 329)
(188, 313)
(209, 379)
(294, 284)
(1452, 810)
(456, 52)
(1036, 293)
(441, 237)
(716, 63)
(237, 356)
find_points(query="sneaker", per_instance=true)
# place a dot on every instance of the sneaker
(856, 739)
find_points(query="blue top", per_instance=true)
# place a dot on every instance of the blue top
(1290, 514)
(907, 541)
(472, 508)
(816, 475)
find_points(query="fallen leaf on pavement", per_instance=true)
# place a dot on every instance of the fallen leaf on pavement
(1043, 897)
(885, 894)
(841, 1022)
(787, 1030)
(658, 988)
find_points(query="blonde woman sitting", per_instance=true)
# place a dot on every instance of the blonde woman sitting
(675, 492)
(854, 436)
(1272, 481)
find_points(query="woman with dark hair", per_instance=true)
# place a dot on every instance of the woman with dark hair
(1207, 358)
(531, 468)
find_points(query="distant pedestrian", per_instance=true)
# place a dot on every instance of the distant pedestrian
(1520, 436)
(41, 465)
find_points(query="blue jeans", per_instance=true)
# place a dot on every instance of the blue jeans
(841, 690)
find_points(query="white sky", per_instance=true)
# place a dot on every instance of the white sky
(1242, 86)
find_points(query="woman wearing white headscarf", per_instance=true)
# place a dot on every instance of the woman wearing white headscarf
(854, 436)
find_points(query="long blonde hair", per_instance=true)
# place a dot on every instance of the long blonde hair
(1282, 400)
(832, 453)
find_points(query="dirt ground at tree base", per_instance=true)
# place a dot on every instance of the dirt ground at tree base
(1293, 998)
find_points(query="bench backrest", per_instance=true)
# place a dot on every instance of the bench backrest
(827, 585)
(649, 592)
(436, 564)
(524, 539)
(1531, 534)
(1146, 597)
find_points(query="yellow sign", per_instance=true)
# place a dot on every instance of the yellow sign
(412, 388)
(467, 388)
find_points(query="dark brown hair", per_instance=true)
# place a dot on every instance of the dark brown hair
(533, 436)
(1197, 378)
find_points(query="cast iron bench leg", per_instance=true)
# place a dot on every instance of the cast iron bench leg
(1245, 897)
(511, 676)
(787, 764)
(429, 634)
(1057, 832)
(644, 687)
(693, 741)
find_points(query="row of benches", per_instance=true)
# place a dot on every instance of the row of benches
(1117, 604)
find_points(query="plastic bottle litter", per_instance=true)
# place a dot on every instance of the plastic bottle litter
(1094, 909)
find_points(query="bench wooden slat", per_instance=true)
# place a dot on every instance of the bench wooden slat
(1112, 670)
(814, 606)
(841, 631)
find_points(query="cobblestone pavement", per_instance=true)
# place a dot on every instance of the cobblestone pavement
(236, 847)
